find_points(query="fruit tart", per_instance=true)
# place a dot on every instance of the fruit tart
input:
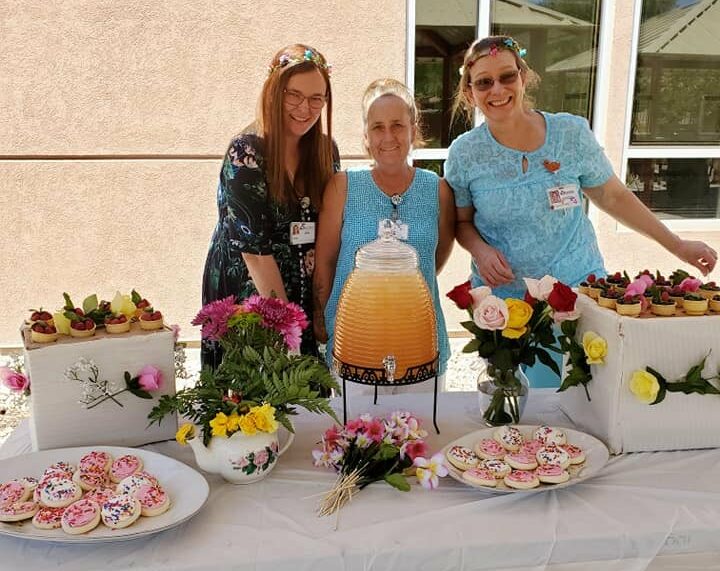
(43, 332)
(151, 320)
(117, 323)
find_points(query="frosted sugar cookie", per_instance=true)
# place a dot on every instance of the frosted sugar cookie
(29, 482)
(521, 461)
(18, 511)
(132, 483)
(124, 466)
(509, 437)
(65, 467)
(12, 492)
(552, 454)
(462, 457)
(99, 495)
(95, 460)
(499, 468)
(120, 511)
(153, 500)
(531, 447)
(577, 456)
(521, 480)
(80, 517)
(59, 492)
(480, 477)
(550, 435)
(552, 474)
(48, 518)
(91, 480)
(489, 449)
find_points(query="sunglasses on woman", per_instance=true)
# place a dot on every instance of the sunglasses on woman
(295, 98)
(485, 83)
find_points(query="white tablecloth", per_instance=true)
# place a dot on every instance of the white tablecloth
(650, 510)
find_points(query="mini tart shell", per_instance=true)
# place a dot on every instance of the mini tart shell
(38, 337)
(147, 325)
(118, 327)
(695, 307)
(607, 302)
(584, 289)
(83, 333)
(708, 293)
(594, 292)
(628, 309)
(678, 300)
(663, 310)
(714, 304)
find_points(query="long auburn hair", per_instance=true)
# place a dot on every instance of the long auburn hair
(316, 151)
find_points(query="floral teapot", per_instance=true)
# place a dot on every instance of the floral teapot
(241, 458)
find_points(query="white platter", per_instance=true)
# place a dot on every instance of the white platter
(187, 488)
(596, 456)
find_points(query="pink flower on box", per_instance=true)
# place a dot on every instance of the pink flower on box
(150, 378)
(13, 380)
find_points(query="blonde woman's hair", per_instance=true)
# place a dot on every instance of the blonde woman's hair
(387, 86)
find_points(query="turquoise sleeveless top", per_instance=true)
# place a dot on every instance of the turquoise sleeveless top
(365, 206)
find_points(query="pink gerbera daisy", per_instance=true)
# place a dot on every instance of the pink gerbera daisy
(286, 318)
(214, 317)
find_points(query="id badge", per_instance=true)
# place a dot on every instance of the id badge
(302, 233)
(400, 230)
(563, 196)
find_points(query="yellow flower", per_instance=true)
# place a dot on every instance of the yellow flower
(185, 432)
(264, 417)
(512, 333)
(644, 386)
(519, 313)
(247, 424)
(62, 323)
(219, 424)
(595, 348)
(233, 422)
(122, 304)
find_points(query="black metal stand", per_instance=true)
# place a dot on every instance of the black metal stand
(377, 377)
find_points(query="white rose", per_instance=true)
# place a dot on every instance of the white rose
(478, 294)
(540, 289)
(491, 313)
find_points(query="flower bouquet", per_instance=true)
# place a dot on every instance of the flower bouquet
(369, 449)
(512, 332)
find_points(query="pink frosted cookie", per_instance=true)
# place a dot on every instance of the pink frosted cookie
(532, 447)
(509, 437)
(480, 477)
(521, 461)
(462, 457)
(550, 435)
(521, 480)
(95, 460)
(48, 518)
(489, 449)
(153, 500)
(91, 480)
(99, 495)
(120, 511)
(59, 492)
(132, 483)
(61, 467)
(18, 511)
(552, 454)
(80, 517)
(12, 492)
(148, 476)
(577, 456)
(124, 466)
(552, 474)
(498, 468)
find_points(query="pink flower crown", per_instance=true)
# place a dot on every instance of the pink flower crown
(507, 44)
(285, 59)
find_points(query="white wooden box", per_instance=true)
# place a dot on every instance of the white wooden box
(58, 418)
(669, 345)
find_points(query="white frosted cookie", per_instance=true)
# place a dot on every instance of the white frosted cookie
(13, 492)
(521, 480)
(480, 477)
(124, 466)
(577, 456)
(120, 511)
(509, 437)
(132, 483)
(18, 511)
(462, 457)
(59, 492)
(91, 480)
(554, 455)
(521, 461)
(154, 500)
(489, 449)
(552, 474)
(29, 482)
(81, 517)
(95, 460)
(549, 435)
(497, 467)
(48, 518)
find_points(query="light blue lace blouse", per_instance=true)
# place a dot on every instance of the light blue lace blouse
(512, 209)
(365, 206)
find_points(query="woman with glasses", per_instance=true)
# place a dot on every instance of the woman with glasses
(520, 177)
(270, 188)
(357, 200)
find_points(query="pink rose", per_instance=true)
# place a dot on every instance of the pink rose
(478, 294)
(150, 378)
(540, 289)
(491, 313)
(13, 380)
(261, 457)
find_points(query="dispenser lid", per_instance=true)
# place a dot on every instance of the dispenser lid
(387, 253)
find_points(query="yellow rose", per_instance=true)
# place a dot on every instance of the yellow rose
(185, 432)
(644, 386)
(233, 422)
(264, 417)
(519, 313)
(595, 348)
(247, 424)
(219, 424)
(512, 333)
(122, 304)
(62, 323)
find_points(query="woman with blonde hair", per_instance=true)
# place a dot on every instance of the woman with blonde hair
(355, 201)
(271, 185)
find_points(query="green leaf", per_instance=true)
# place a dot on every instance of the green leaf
(90, 303)
(69, 305)
(386, 452)
(135, 297)
(547, 360)
(472, 346)
(398, 481)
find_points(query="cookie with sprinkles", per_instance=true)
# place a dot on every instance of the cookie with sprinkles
(95, 460)
(521, 480)
(552, 474)
(48, 518)
(59, 492)
(480, 477)
(462, 457)
(124, 466)
(18, 511)
(12, 492)
(531, 446)
(498, 468)
(509, 437)
(80, 517)
(100, 495)
(120, 511)
(550, 435)
(489, 449)
(61, 467)
(91, 480)
(521, 460)
(154, 500)
(554, 455)
(133, 483)
(577, 456)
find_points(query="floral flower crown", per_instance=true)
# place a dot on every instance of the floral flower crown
(506, 44)
(309, 55)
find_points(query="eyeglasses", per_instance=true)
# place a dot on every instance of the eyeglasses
(485, 83)
(295, 99)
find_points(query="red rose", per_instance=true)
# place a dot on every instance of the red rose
(461, 295)
(562, 298)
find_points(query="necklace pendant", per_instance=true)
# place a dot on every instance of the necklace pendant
(396, 200)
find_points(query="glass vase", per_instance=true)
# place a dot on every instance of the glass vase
(502, 395)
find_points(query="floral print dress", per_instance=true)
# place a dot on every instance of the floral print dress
(249, 221)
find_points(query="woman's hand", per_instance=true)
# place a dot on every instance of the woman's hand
(697, 253)
(492, 266)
